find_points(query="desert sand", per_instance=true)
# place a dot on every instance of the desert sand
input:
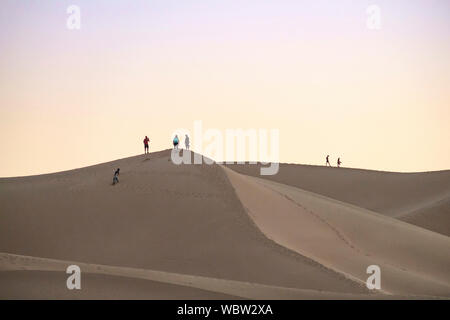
(170, 231)
(421, 198)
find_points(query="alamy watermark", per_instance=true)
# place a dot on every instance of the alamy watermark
(373, 21)
(74, 19)
(374, 281)
(74, 280)
(231, 146)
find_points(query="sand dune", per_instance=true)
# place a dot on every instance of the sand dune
(348, 239)
(47, 285)
(393, 194)
(204, 231)
(435, 217)
(26, 277)
(183, 219)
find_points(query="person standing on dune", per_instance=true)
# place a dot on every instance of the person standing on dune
(186, 142)
(328, 161)
(146, 141)
(175, 142)
(339, 162)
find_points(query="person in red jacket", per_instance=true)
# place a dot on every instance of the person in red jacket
(146, 141)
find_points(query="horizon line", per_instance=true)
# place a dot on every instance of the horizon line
(247, 162)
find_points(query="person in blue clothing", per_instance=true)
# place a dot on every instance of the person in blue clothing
(175, 142)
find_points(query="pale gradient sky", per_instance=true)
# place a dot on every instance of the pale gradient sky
(378, 99)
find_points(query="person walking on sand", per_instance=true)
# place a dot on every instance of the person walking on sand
(175, 142)
(116, 177)
(339, 162)
(328, 161)
(146, 141)
(186, 142)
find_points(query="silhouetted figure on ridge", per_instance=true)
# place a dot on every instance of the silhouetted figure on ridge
(328, 161)
(339, 162)
(186, 142)
(146, 141)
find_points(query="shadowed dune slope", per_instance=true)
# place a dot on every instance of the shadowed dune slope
(34, 277)
(435, 217)
(425, 195)
(185, 219)
(30, 284)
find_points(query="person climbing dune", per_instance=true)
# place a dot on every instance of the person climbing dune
(116, 177)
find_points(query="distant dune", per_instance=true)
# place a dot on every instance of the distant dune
(412, 197)
(207, 232)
